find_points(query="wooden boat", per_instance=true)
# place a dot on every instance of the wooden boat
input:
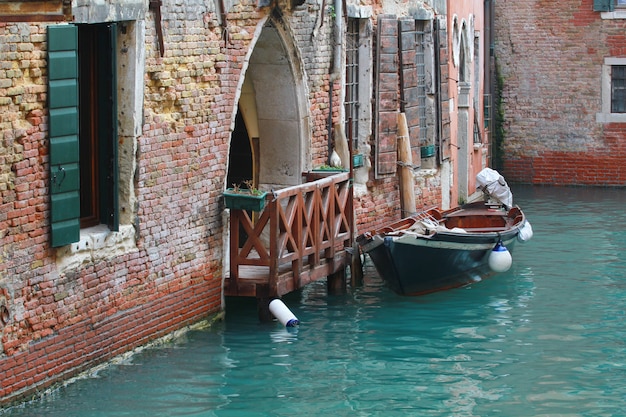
(437, 250)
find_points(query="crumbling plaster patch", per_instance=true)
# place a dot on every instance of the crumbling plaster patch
(96, 244)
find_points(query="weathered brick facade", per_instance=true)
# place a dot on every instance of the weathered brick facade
(66, 309)
(550, 57)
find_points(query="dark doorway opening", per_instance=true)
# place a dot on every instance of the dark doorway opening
(240, 168)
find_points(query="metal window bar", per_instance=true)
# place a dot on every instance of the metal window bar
(421, 83)
(477, 135)
(351, 101)
(618, 89)
(488, 121)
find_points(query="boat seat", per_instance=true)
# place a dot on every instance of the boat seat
(486, 229)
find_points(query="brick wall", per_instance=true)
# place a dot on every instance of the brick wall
(61, 323)
(64, 320)
(549, 56)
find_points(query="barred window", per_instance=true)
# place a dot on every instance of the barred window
(420, 60)
(618, 89)
(352, 81)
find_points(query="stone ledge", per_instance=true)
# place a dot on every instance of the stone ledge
(96, 243)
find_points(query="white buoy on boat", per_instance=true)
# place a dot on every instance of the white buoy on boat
(525, 232)
(500, 259)
(283, 314)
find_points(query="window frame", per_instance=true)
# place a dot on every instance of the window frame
(622, 86)
(98, 136)
(351, 100)
(77, 95)
(606, 116)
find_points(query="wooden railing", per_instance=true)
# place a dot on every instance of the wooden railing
(299, 237)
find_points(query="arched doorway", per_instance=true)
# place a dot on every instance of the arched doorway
(240, 158)
(272, 113)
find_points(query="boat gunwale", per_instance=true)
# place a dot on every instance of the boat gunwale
(402, 227)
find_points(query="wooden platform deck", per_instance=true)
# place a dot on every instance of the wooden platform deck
(301, 236)
(253, 279)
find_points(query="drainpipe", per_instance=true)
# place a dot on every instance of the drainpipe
(336, 69)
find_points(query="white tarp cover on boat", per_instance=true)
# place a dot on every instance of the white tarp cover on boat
(490, 181)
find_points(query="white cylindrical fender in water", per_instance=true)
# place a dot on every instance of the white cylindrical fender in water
(283, 314)
(500, 259)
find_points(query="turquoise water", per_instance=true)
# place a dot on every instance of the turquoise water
(547, 338)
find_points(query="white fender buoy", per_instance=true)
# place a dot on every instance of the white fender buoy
(283, 314)
(500, 259)
(525, 232)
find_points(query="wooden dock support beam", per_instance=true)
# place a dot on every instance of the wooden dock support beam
(336, 282)
(356, 266)
(263, 303)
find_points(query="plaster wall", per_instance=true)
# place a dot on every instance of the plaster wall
(465, 23)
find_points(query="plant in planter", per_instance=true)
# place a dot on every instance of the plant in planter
(323, 171)
(244, 198)
(329, 168)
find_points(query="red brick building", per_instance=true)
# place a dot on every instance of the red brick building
(122, 123)
(562, 67)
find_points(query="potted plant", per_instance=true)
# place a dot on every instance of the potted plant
(322, 172)
(245, 197)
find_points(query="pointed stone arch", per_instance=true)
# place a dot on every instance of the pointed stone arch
(272, 99)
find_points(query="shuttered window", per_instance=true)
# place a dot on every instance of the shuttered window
(83, 127)
(63, 125)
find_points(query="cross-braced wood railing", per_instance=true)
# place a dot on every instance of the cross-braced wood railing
(299, 237)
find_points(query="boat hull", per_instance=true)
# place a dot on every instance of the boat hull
(433, 264)
(434, 251)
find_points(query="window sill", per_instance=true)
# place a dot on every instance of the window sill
(95, 244)
(611, 117)
(617, 14)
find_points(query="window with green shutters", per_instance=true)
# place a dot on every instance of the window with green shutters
(82, 97)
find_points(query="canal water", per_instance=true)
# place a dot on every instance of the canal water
(547, 338)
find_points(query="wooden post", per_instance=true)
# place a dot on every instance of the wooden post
(263, 303)
(336, 282)
(405, 172)
(356, 267)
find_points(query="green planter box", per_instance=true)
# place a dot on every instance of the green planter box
(238, 200)
(427, 151)
(357, 160)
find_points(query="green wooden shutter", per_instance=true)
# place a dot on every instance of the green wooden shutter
(107, 128)
(63, 132)
(603, 5)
